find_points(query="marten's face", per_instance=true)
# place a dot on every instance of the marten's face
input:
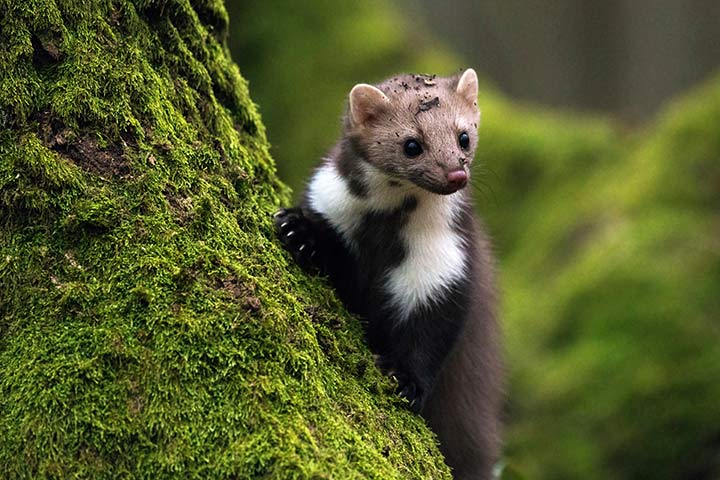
(418, 129)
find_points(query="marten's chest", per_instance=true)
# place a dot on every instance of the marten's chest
(434, 258)
(406, 242)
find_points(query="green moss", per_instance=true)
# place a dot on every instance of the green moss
(150, 326)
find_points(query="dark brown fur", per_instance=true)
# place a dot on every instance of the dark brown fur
(464, 408)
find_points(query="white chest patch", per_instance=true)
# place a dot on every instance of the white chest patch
(435, 256)
(329, 195)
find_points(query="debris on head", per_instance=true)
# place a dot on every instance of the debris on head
(425, 106)
(425, 79)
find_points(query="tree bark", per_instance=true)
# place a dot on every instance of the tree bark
(150, 325)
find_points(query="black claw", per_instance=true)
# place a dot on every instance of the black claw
(408, 391)
(407, 386)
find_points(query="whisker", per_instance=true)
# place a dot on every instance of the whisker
(480, 185)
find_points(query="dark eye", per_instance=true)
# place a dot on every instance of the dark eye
(464, 140)
(412, 148)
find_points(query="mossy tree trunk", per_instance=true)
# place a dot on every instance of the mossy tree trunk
(149, 324)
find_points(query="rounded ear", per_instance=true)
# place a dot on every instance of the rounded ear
(366, 102)
(467, 86)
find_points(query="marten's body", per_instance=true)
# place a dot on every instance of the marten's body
(387, 218)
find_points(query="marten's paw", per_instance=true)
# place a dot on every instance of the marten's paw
(410, 390)
(296, 235)
(407, 386)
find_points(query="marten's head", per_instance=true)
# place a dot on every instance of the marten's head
(417, 128)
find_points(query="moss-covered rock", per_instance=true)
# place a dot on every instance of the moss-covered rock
(150, 326)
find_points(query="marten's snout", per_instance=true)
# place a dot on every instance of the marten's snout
(457, 179)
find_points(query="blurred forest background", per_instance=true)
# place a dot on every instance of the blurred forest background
(606, 222)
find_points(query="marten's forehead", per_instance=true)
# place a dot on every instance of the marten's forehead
(422, 96)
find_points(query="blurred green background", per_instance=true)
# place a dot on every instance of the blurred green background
(608, 234)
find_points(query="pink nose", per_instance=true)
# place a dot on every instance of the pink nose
(457, 179)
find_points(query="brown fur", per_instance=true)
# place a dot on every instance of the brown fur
(464, 407)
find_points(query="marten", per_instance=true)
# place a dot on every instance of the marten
(388, 217)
